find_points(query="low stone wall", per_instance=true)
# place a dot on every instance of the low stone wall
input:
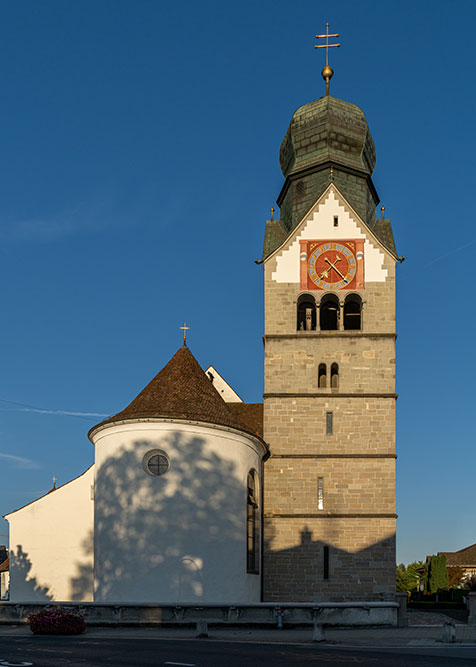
(265, 614)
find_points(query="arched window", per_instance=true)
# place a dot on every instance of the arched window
(353, 312)
(334, 376)
(329, 313)
(252, 524)
(306, 313)
(322, 376)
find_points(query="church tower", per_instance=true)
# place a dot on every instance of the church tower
(329, 401)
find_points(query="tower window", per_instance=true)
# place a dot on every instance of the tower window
(353, 312)
(300, 190)
(329, 423)
(329, 312)
(320, 493)
(334, 376)
(306, 313)
(252, 524)
(326, 563)
(322, 376)
(336, 221)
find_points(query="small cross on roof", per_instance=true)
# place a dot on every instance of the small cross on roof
(185, 329)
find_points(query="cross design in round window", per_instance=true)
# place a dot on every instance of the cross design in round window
(156, 463)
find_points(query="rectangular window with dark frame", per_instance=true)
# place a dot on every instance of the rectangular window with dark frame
(326, 563)
(329, 423)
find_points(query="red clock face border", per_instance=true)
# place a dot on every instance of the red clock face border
(334, 264)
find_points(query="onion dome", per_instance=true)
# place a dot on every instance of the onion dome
(327, 140)
(328, 129)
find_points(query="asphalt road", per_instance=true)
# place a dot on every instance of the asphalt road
(121, 652)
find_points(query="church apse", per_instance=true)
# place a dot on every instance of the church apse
(180, 537)
(171, 517)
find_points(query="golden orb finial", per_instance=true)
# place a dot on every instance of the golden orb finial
(327, 74)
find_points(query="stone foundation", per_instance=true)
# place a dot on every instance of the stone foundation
(294, 614)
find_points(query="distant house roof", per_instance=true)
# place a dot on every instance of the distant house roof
(464, 557)
(5, 566)
(181, 390)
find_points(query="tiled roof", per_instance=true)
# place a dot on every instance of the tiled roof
(464, 557)
(181, 390)
(274, 235)
(383, 230)
(250, 414)
(5, 566)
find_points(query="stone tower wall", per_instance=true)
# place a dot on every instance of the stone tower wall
(355, 529)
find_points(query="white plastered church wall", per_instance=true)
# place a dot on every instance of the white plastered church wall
(319, 224)
(51, 545)
(181, 536)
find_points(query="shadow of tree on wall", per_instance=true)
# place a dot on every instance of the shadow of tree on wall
(82, 585)
(177, 537)
(365, 574)
(26, 588)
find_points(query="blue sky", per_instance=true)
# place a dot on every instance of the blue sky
(139, 162)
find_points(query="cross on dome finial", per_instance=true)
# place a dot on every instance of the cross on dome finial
(327, 72)
(185, 329)
(54, 482)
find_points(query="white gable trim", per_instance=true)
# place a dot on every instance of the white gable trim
(315, 207)
(319, 224)
(227, 393)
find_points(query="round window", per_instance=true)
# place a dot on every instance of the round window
(156, 463)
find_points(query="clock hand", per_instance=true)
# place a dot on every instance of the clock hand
(337, 259)
(324, 274)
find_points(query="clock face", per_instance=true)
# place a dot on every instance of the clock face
(332, 265)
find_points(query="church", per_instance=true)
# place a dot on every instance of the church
(196, 496)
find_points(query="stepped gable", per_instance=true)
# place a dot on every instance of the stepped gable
(181, 390)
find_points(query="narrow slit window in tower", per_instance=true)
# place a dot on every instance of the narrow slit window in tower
(329, 423)
(326, 563)
(336, 221)
(334, 376)
(320, 493)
